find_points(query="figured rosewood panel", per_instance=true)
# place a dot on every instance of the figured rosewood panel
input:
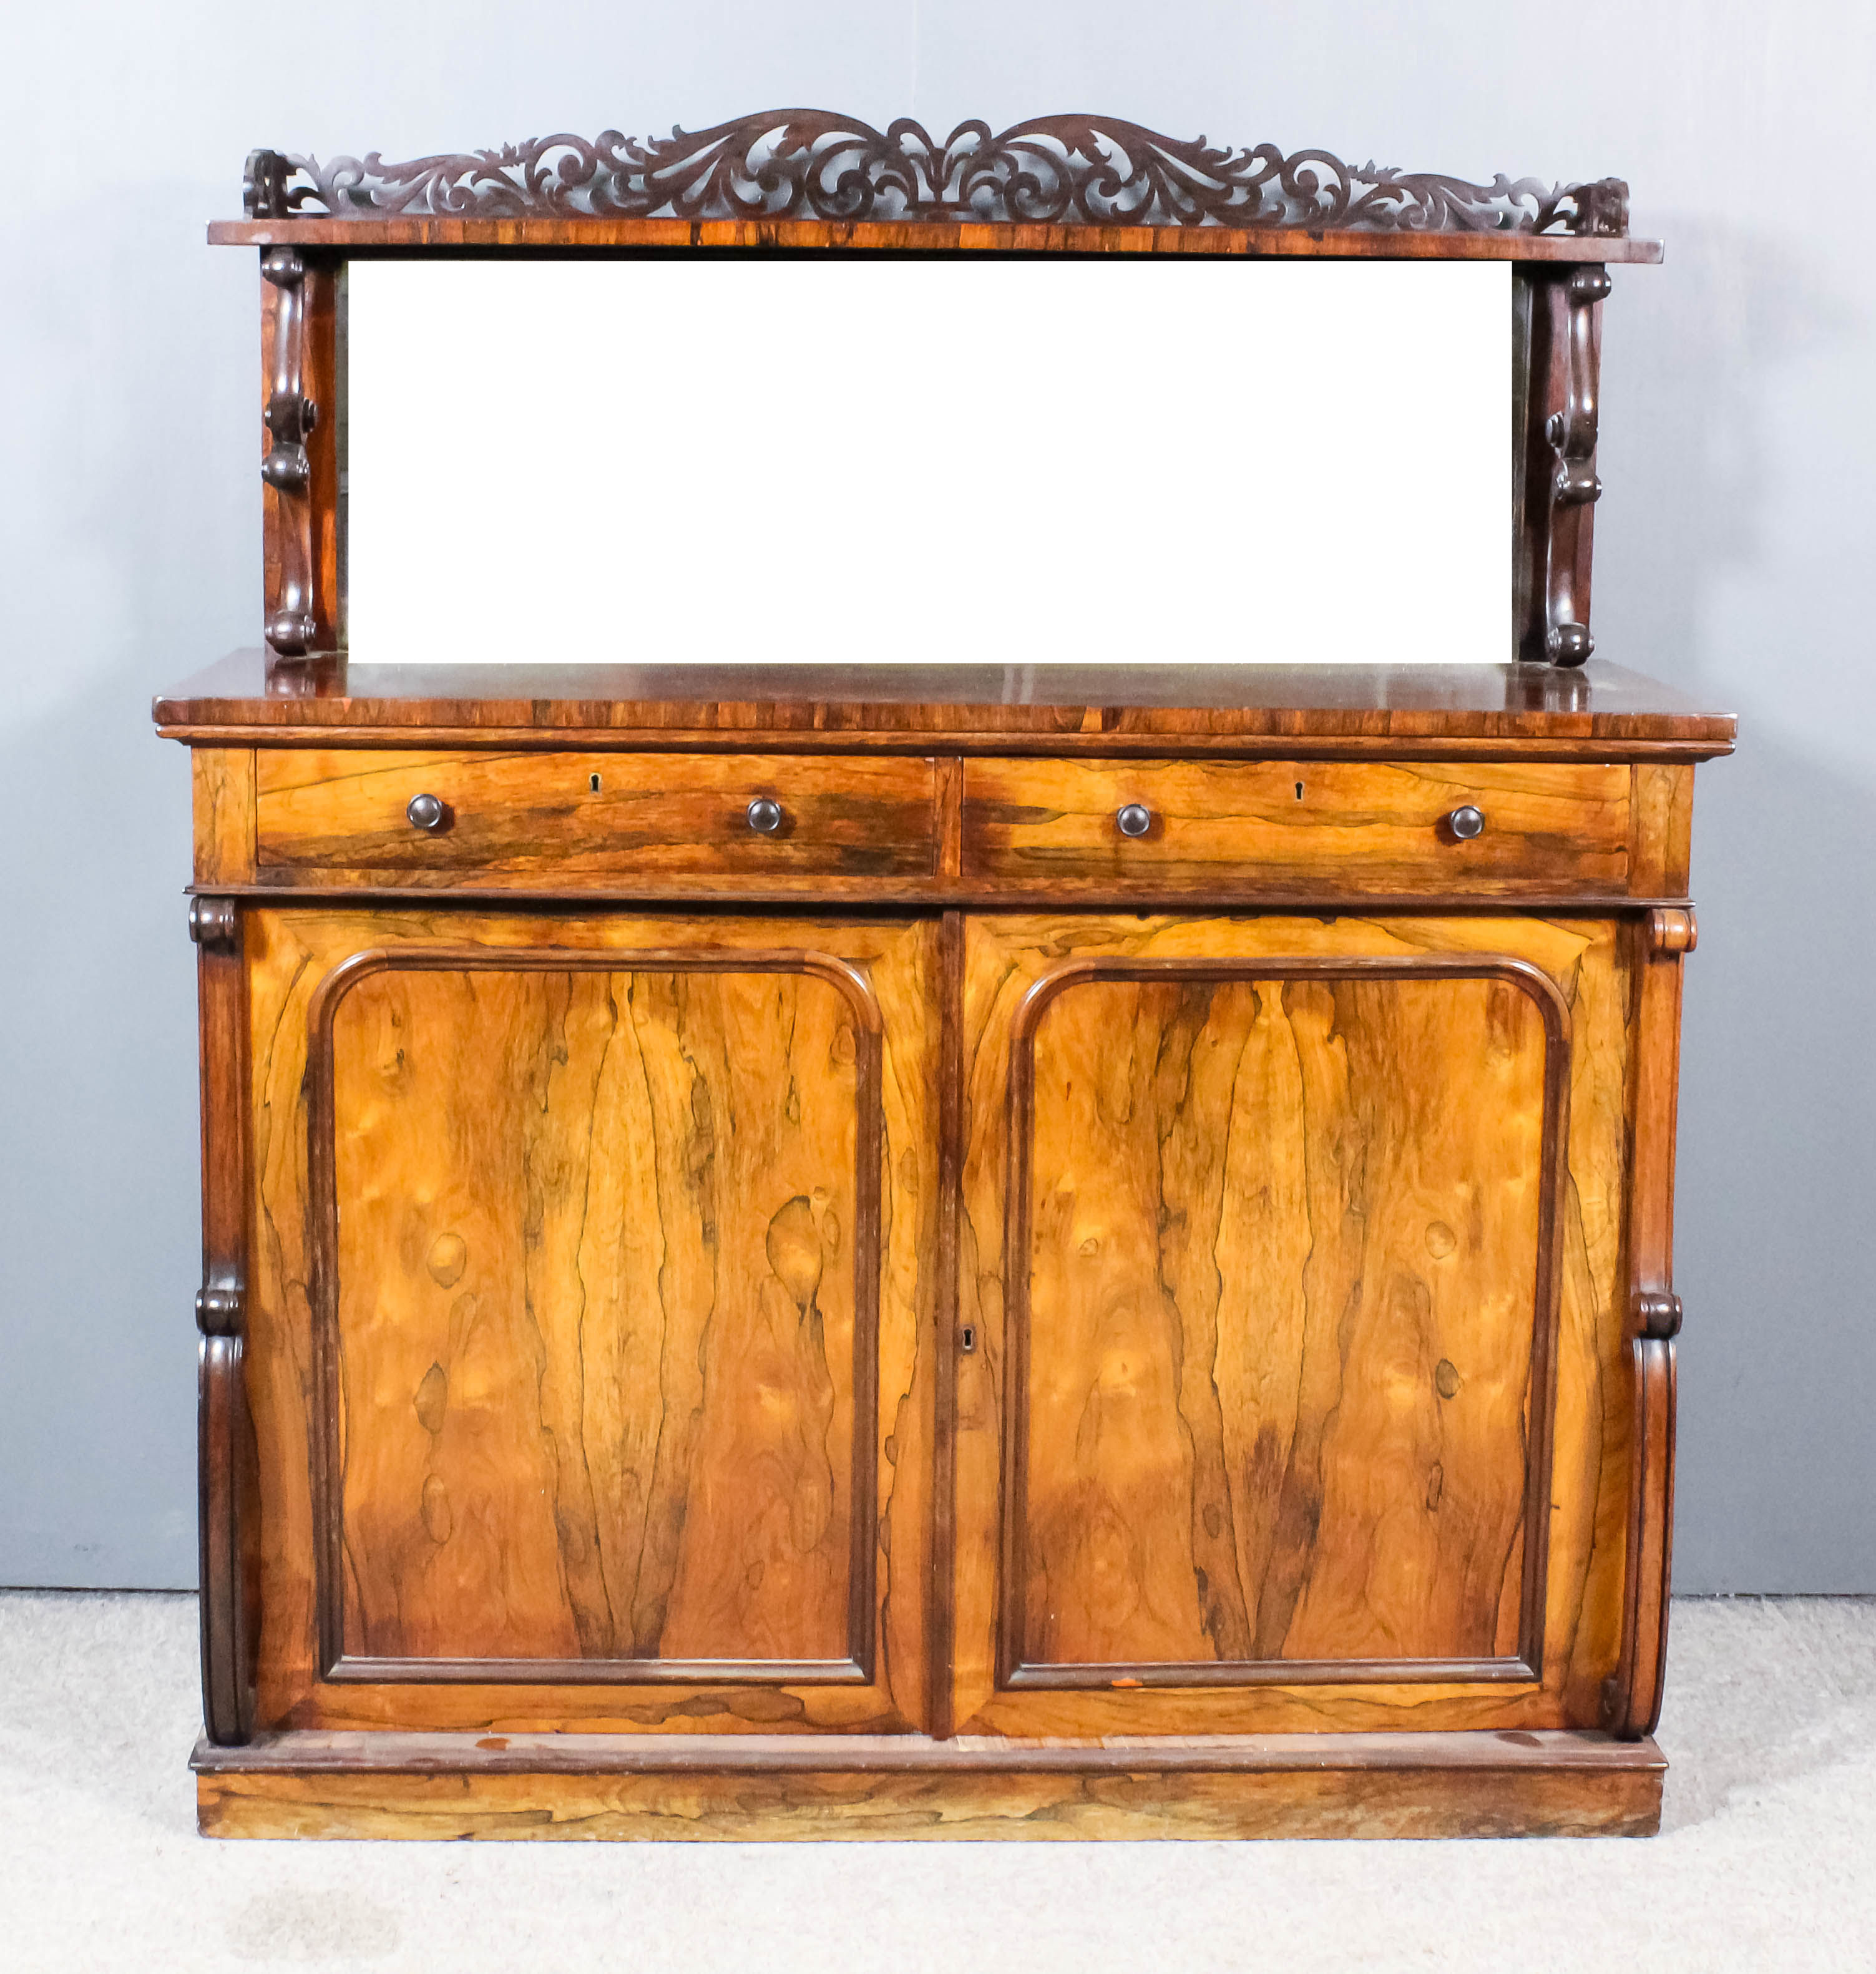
(221, 788)
(1292, 1257)
(598, 1249)
(531, 819)
(1545, 827)
(1275, 1357)
(591, 1329)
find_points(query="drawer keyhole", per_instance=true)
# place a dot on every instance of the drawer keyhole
(592, 782)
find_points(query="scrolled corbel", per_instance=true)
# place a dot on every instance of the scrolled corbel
(1673, 931)
(214, 923)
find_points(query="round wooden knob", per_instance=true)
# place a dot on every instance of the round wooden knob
(1466, 823)
(765, 815)
(1135, 820)
(425, 812)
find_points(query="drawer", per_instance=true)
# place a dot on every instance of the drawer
(1275, 826)
(536, 820)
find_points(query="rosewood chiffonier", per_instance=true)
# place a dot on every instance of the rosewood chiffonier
(857, 1250)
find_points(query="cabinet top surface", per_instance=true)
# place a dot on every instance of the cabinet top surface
(329, 701)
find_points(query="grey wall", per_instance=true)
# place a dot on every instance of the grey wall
(1734, 540)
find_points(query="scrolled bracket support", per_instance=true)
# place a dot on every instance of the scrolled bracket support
(287, 468)
(1574, 487)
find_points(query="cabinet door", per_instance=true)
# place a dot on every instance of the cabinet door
(597, 1256)
(1290, 1258)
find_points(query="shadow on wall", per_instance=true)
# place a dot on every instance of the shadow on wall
(1716, 560)
(128, 554)
(1703, 578)
(99, 1244)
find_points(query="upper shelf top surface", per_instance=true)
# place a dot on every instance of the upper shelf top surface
(427, 233)
(246, 695)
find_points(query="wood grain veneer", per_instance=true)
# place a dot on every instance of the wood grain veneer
(1316, 1785)
(531, 819)
(607, 1246)
(1548, 827)
(627, 1340)
(1331, 1177)
(992, 1329)
(1235, 1202)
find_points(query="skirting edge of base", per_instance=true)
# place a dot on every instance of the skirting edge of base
(844, 1788)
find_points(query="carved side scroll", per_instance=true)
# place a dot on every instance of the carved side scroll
(787, 164)
(1667, 934)
(228, 1489)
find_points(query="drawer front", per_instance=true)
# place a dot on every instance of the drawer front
(531, 819)
(1275, 826)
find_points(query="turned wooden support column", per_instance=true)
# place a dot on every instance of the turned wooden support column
(1560, 485)
(299, 465)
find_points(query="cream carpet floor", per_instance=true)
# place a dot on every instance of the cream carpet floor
(1767, 1858)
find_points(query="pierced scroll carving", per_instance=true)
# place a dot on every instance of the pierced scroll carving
(786, 164)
